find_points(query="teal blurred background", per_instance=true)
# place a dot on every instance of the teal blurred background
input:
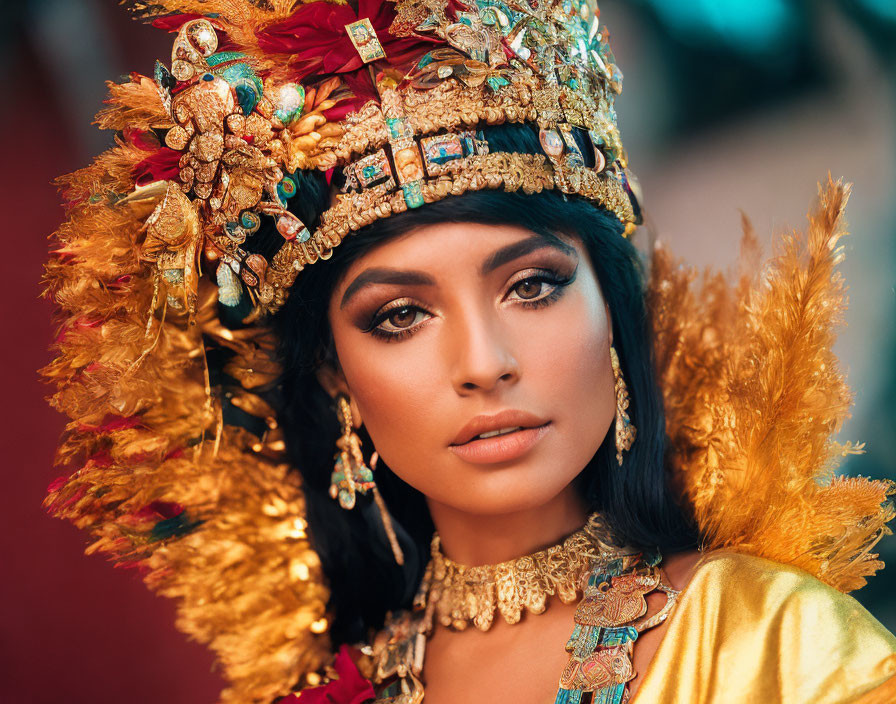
(745, 105)
(728, 105)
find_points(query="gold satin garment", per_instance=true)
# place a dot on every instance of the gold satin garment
(748, 630)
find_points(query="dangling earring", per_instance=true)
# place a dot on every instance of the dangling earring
(384, 515)
(625, 431)
(351, 475)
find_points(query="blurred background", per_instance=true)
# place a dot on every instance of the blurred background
(728, 105)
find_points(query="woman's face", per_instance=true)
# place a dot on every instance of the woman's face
(441, 329)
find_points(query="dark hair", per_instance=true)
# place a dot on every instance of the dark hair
(636, 499)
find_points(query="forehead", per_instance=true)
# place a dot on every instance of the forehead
(443, 248)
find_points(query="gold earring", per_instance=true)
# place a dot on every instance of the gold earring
(397, 552)
(350, 474)
(625, 431)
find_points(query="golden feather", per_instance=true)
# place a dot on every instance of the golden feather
(213, 519)
(754, 395)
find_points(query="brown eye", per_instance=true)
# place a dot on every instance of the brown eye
(528, 288)
(402, 317)
(397, 322)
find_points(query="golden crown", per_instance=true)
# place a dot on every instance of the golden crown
(388, 98)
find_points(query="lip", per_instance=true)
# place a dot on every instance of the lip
(505, 419)
(501, 448)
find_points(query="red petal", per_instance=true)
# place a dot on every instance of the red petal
(161, 166)
(350, 688)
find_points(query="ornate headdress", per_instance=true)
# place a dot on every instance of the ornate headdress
(388, 100)
(176, 458)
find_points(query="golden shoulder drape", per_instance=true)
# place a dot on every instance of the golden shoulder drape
(751, 630)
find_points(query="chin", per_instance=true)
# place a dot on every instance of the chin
(491, 491)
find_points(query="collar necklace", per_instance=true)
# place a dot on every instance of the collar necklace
(613, 581)
(459, 595)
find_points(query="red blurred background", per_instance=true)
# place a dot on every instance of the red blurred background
(711, 126)
(72, 628)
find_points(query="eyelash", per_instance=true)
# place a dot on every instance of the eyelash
(559, 283)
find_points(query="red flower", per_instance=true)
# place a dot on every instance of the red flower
(350, 688)
(316, 37)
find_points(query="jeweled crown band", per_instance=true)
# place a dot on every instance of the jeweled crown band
(475, 170)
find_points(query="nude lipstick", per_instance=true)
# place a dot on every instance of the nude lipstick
(502, 437)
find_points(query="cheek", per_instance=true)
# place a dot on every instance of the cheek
(571, 366)
(396, 387)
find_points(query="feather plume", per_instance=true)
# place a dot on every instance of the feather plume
(135, 104)
(754, 395)
(240, 21)
(212, 518)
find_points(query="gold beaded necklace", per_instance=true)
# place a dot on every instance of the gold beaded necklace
(462, 595)
(613, 580)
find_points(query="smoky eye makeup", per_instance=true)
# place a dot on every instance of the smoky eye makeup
(534, 287)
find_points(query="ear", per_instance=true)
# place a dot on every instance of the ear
(333, 382)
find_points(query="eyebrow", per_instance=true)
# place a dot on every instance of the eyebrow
(409, 277)
(385, 276)
(516, 250)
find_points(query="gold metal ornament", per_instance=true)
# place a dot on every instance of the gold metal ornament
(364, 39)
(625, 431)
(241, 129)
(384, 515)
(612, 579)
(350, 474)
(459, 595)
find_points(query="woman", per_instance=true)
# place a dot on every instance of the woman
(398, 231)
(537, 356)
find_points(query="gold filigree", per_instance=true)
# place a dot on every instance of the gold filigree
(458, 595)
(244, 129)
(613, 580)
(529, 173)
(451, 105)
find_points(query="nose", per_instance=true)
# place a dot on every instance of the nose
(482, 352)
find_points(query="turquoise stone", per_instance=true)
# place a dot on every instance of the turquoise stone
(496, 82)
(250, 221)
(286, 189)
(609, 695)
(398, 128)
(413, 194)
(232, 67)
